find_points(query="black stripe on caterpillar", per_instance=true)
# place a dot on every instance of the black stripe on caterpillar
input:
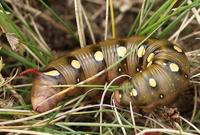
(159, 71)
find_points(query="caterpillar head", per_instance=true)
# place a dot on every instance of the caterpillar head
(42, 92)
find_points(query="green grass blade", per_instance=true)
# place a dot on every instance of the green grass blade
(141, 17)
(166, 17)
(157, 14)
(155, 23)
(172, 26)
(25, 61)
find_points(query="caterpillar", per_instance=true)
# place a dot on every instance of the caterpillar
(159, 71)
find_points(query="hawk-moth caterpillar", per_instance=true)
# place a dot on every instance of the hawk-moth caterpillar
(159, 71)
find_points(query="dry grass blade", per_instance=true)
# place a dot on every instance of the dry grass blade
(17, 111)
(8, 79)
(194, 10)
(41, 42)
(118, 118)
(196, 75)
(192, 125)
(23, 132)
(36, 115)
(79, 22)
(190, 35)
(100, 109)
(88, 25)
(106, 20)
(81, 108)
(132, 117)
(183, 25)
(33, 54)
(112, 19)
(24, 127)
(195, 104)
(168, 131)
(27, 118)
(104, 94)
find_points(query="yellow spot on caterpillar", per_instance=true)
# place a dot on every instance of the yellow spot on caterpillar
(149, 64)
(52, 73)
(133, 92)
(98, 56)
(75, 64)
(150, 57)
(121, 51)
(141, 51)
(177, 49)
(174, 67)
(152, 82)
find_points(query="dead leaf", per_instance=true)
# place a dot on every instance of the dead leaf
(13, 41)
